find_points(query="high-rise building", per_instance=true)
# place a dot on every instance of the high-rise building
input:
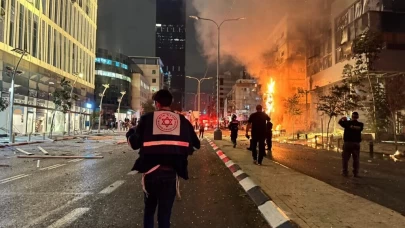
(171, 45)
(330, 40)
(59, 37)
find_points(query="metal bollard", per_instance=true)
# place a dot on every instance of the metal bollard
(29, 136)
(43, 136)
(371, 147)
(13, 138)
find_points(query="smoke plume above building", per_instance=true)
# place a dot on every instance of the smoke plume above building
(245, 40)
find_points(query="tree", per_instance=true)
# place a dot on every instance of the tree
(148, 106)
(338, 101)
(61, 97)
(395, 91)
(365, 51)
(292, 107)
(3, 104)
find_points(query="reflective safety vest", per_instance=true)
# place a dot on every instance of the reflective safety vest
(166, 133)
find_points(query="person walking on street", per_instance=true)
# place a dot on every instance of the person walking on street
(164, 139)
(234, 127)
(269, 135)
(257, 122)
(202, 128)
(351, 145)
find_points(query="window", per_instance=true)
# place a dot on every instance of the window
(154, 72)
(35, 37)
(221, 81)
(154, 80)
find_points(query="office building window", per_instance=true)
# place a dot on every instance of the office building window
(154, 80)
(154, 72)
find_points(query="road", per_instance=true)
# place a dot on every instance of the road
(104, 193)
(382, 180)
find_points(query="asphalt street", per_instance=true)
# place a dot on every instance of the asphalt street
(105, 193)
(382, 180)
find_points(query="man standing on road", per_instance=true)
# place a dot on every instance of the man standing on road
(164, 140)
(257, 122)
(351, 145)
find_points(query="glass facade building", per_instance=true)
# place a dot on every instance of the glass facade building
(113, 69)
(60, 39)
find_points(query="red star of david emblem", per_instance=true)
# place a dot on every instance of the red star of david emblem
(167, 122)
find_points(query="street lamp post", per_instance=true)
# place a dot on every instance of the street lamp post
(118, 110)
(217, 132)
(106, 86)
(77, 75)
(22, 53)
(199, 90)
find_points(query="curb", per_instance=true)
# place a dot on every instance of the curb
(275, 217)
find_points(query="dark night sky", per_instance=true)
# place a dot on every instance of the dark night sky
(128, 27)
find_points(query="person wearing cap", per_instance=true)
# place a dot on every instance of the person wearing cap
(257, 122)
(164, 139)
(351, 143)
(234, 127)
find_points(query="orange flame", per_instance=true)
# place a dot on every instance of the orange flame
(270, 96)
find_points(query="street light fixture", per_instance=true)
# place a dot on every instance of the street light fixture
(106, 86)
(15, 71)
(119, 106)
(199, 89)
(77, 75)
(217, 132)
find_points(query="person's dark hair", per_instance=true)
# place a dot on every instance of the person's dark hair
(163, 97)
(355, 114)
(259, 108)
(233, 117)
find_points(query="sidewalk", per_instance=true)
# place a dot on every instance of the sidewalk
(308, 201)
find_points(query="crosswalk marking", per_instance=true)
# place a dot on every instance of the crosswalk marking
(76, 160)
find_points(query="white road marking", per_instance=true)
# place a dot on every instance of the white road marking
(273, 214)
(38, 163)
(23, 151)
(281, 165)
(247, 184)
(13, 178)
(53, 167)
(112, 187)
(76, 160)
(229, 163)
(237, 173)
(43, 151)
(133, 172)
(69, 218)
(39, 220)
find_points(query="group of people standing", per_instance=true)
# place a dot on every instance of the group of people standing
(260, 125)
(166, 139)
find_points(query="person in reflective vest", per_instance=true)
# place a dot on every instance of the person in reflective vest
(165, 139)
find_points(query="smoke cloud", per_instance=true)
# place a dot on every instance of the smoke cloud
(245, 40)
(250, 41)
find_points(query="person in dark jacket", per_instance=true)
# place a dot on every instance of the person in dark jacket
(269, 135)
(351, 145)
(234, 127)
(164, 139)
(257, 122)
(202, 128)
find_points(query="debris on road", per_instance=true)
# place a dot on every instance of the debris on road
(43, 151)
(23, 151)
